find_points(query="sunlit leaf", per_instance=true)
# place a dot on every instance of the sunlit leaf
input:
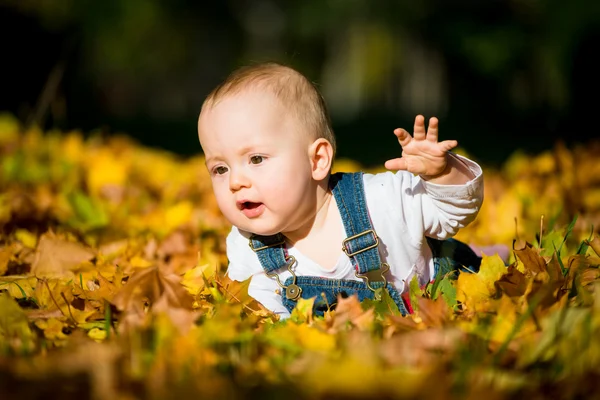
(58, 257)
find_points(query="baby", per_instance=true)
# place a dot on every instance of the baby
(300, 231)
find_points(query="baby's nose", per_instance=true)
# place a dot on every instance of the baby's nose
(238, 180)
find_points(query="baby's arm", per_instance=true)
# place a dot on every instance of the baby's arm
(423, 155)
(447, 192)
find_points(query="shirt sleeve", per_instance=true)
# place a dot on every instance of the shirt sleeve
(419, 208)
(448, 208)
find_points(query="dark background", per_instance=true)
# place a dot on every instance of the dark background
(500, 75)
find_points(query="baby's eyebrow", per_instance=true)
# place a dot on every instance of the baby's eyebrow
(211, 159)
(246, 149)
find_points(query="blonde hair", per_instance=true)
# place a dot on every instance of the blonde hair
(289, 86)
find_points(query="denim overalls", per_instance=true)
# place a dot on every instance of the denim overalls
(361, 247)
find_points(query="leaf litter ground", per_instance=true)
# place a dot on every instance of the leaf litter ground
(112, 286)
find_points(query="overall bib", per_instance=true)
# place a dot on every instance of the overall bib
(361, 246)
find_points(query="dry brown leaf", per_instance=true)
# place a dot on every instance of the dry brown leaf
(423, 347)
(554, 269)
(56, 258)
(531, 259)
(349, 310)
(514, 283)
(151, 284)
(595, 244)
(175, 243)
(433, 313)
(183, 319)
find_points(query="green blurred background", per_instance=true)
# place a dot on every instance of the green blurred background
(500, 75)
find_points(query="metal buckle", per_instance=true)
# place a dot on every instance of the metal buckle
(255, 249)
(292, 291)
(375, 275)
(345, 249)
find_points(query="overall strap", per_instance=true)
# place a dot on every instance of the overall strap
(361, 240)
(270, 251)
(273, 256)
(361, 243)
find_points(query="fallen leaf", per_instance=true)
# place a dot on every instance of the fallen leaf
(531, 259)
(59, 258)
(514, 283)
(349, 313)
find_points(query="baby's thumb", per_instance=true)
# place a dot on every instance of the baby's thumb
(396, 164)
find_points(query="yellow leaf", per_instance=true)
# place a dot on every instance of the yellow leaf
(504, 321)
(80, 316)
(474, 290)
(19, 287)
(97, 334)
(194, 279)
(313, 339)
(106, 169)
(303, 312)
(471, 289)
(178, 214)
(53, 328)
(492, 268)
(139, 262)
(27, 238)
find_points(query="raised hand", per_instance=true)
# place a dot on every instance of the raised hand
(422, 154)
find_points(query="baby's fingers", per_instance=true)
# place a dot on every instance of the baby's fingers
(396, 164)
(432, 130)
(419, 128)
(404, 137)
(447, 145)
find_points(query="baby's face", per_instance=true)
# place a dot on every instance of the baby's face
(258, 160)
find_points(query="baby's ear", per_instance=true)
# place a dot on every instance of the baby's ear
(321, 157)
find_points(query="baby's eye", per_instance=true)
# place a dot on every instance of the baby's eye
(220, 170)
(256, 159)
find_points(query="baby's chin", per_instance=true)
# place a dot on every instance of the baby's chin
(257, 229)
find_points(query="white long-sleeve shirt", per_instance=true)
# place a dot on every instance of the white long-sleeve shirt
(404, 209)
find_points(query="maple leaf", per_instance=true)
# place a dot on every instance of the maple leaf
(349, 313)
(514, 283)
(195, 280)
(151, 284)
(531, 259)
(474, 290)
(151, 287)
(59, 258)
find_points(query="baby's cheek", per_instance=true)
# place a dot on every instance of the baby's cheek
(222, 203)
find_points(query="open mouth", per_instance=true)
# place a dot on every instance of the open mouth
(251, 209)
(248, 205)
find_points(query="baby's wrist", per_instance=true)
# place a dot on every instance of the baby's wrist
(447, 169)
(455, 172)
